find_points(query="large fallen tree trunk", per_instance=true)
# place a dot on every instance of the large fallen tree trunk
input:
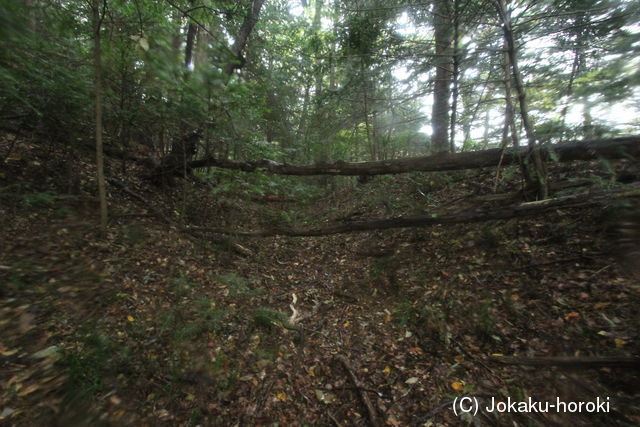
(506, 212)
(616, 148)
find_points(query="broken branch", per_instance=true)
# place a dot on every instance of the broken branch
(573, 362)
(580, 200)
(371, 412)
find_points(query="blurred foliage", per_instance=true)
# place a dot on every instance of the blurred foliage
(324, 83)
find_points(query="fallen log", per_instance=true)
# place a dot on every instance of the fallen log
(573, 362)
(580, 200)
(616, 148)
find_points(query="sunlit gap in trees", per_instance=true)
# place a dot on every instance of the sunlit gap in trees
(622, 115)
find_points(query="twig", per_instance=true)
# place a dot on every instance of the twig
(237, 248)
(332, 418)
(433, 412)
(139, 198)
(477, 360)
(351, 388)
(599, 271)
(543, 264)
(573, 362)
(373, 418)
(497, 179)
(263, 397)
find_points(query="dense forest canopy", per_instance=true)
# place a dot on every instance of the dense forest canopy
(324, 80)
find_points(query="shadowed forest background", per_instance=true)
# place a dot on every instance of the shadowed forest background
(317, 212)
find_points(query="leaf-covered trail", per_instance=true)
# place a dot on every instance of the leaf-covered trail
(151, 326)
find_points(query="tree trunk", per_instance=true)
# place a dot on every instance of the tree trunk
(365, 107)
(575, 70)
(188, 48)
(97, 63)
(176, 38)
(579, 64)
(587, 119)
(192, 30)
(487, 126)
(456, 73)
(509, 114)
(302, 133)
(617, 148)
(442, 90)
(202, 47)
(316, 27)
(581, 200)
(534, 149)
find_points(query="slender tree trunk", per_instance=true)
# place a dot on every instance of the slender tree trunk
(456, 72)
(576, 68)
(316, 27)
(472, 118)
(188, 48)
(176, 39)
(192, 31)
(332, 71)
(320, 112)
(587, 118)
(569, 90)
(202, 48)
(97, 63)
(534, 149)
(365, 106)
(509, 117)
(442, 89)
(302, 125)
(487, 123)
(466, 131)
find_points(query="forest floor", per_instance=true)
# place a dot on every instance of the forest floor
(149, 325)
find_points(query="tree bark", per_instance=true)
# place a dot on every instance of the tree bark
(365, 105)
(455, 75)
(509, 117)
(316, 27)
(509, 114)
(575, 71)
(201, 50)
(617, 148)
(442, 90)
(188, 49)
(513, 211)
(534, 149)
(192, 31)
(97, 63)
